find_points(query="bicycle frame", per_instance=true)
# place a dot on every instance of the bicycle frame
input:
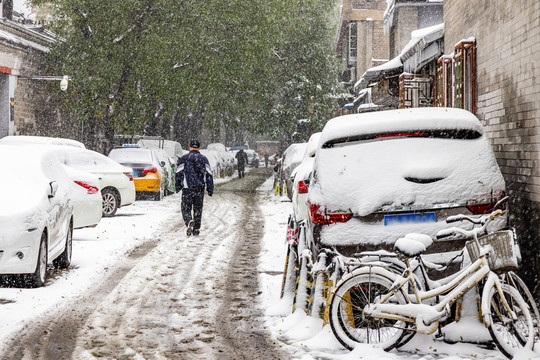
(426, 316)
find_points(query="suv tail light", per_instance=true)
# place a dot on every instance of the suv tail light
(318, 217)
(91, 189)
(129, 175)
(150, 170)
(302, 187)
(485, 204)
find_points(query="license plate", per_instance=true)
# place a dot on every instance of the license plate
(409, 218)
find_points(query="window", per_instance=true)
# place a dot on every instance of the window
(444, 80)
(465, 75)
(353, 42)
(415, 91)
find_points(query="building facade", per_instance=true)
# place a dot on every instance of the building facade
(506, 98)
(360, 42)
(26, 105)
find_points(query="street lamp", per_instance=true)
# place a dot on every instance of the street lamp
(64, 83)
(64, 80)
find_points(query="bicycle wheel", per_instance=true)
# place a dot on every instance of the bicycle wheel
(509, 334)
(512, 279)
(347, 322)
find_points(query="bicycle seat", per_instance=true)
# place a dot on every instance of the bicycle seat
(423, 238)
(409, 247)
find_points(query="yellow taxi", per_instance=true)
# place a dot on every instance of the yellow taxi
(148, 174)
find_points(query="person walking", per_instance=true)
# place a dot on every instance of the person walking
(193, 175)
(265, 159)
(241, 159)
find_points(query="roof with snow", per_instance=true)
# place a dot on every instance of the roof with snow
(422, 48)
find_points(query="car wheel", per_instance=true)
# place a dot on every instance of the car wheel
(110, 202)
(37, 279)
(64, 260)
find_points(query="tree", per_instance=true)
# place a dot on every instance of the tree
(247, 65)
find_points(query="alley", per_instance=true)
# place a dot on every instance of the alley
(172, 297)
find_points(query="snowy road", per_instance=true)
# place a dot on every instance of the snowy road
(172, 297)
(140, 289)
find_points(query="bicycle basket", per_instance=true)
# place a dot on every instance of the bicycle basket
(503, 254)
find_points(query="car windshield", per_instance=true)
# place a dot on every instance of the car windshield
(417, 171)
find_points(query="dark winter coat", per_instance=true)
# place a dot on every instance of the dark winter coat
(241, 158)
(194, 171)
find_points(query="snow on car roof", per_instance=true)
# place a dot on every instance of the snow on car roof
(24, 139)
(293, 154)
(399, 120)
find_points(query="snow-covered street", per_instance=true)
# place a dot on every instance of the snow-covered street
(140, 289)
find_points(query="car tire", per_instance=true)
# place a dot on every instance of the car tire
(38, 278)
(111, 201)
(64, 260)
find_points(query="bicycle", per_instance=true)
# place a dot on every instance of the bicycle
(374, 305)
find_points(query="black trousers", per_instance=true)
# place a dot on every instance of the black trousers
(192, 203)
(241, 169)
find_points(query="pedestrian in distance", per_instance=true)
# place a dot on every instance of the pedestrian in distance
(193, 175)
(241, 160)
(265, 160)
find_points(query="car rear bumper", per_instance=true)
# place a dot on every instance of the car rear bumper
(355, 236)
(148, 184)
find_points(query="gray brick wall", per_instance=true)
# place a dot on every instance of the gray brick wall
(508, 98)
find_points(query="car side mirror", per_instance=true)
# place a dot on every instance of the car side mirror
(162, 163)
(53, 187)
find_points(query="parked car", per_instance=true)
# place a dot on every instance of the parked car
(86, 197)
(173, 148)
(148, 173)
(253, 158)
(291, 158)
(115, 180)
(302, 174)
(36, 214)
(43, 140)
(379, 176)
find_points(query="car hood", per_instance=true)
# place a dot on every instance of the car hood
(404, 174)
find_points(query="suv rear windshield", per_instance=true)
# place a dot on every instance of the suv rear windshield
(461, 134)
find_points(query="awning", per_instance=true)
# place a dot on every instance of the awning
(425, 46)
(394, 65)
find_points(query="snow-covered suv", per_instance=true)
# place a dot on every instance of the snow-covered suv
(378, 176)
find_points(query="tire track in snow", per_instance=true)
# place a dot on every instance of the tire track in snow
(173, 298)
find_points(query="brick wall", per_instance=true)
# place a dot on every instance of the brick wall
(406, 22)
(37, 109)
(372, 43)
(508, 100)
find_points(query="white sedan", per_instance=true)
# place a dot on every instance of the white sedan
(36, 214)
(115, 180)
(86, 196)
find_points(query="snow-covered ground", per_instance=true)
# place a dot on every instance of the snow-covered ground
(97, 250)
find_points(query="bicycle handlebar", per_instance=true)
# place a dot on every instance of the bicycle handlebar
(483, 220)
